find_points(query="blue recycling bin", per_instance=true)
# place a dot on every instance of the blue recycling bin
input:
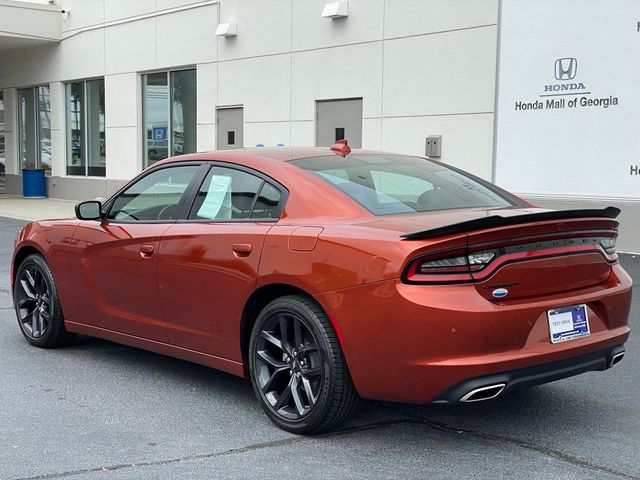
(34, 184)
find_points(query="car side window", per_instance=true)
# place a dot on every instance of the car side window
(230, 194)
(266, 205)
(155, 196)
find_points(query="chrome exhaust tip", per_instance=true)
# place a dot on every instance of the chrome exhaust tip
(616, 359)
(483, 393)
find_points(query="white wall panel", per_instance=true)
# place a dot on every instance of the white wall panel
(84, 13)
(131, 47)
(263, 28)
(206, 137)
(207, 85)
(124, 154)
(341, 72)
(416, 17)
(267, 133)
(310, 30)
(302, 133)
(467, 140)
(446, 73)
(121, 100)
(371, 133)
(261, 84)
(82, 56)
(121, 9)
(186, 37)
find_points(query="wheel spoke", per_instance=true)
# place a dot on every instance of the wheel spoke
(284, 398)
(284, 333)
(297, 333)
(271, 338)
(267, 357)
(36, 326)
(30, 278)
(28, 289)
(312, 347)
(309, 391)
(268, 386)
(295, 393)
(25, 301)
(312, 372)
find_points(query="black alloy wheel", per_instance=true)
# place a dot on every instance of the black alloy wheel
(37, 305)
(297, 368)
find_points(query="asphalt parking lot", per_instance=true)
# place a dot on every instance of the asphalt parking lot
(98, 410)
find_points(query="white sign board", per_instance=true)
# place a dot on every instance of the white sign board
(568, 115)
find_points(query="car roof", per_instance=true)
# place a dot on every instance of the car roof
(284, 154)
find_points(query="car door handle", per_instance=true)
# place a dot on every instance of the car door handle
(242, 249)
(146, 250)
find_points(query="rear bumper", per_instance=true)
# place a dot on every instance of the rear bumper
(536, 375)
(411, 343)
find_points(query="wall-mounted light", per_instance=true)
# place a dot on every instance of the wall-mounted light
(227, 30)
(335, 10)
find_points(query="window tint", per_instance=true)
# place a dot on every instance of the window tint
(155, 196)
(267, 204)
(389, 184)
(226, 194)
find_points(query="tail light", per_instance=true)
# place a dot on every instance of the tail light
(462, 266)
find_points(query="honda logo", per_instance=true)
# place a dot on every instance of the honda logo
(566, 68)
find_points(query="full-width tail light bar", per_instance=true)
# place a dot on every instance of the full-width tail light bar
(479, 262)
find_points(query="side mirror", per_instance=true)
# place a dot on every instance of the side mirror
(89, 210)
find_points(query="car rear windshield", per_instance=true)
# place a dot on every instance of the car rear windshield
(391, 184)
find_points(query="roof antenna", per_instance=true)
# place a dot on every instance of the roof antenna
(341, 147)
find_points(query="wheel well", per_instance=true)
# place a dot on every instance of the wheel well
(23, 253)
(258, 300)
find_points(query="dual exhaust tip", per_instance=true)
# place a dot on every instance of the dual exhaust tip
(492, 391)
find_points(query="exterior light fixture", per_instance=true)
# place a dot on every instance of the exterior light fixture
(335, 10)
(227, 30)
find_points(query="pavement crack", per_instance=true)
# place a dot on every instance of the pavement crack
(232, 451)
(550, 452)
(406, 420)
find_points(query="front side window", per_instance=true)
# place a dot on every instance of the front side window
(86, 147)
(169, 104)
(34, 117)
(390, 184)
(230, 194)
(154, 197)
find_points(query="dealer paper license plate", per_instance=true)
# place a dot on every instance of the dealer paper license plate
(567, 323)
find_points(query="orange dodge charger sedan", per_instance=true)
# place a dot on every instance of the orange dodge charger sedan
(324, 274)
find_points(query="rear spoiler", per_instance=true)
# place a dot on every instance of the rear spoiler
(499, 221)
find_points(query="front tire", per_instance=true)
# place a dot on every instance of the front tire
(297, 368)
(37, 305)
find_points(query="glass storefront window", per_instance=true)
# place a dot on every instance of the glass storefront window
(3, 163)
(86, 147)
(169, 102)
(44, 127)
(34, 118)
(156, 116)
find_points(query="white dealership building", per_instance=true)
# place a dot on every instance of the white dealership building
(543, 97)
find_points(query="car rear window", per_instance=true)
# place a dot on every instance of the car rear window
(390, 184)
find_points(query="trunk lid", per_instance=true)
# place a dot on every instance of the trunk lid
(536, 251)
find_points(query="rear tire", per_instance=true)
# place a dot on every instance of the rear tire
(37, 305)
(297, 368)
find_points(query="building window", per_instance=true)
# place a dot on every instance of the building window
(2, 154)
(169, 104)
(86, 147)
(34, 117)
